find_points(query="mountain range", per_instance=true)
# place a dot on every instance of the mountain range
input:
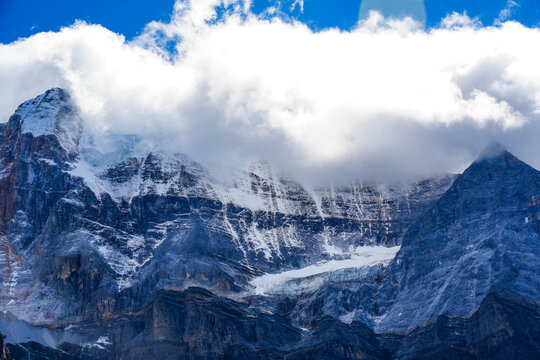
(135, 253)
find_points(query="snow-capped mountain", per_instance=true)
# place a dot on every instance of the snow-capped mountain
(135, 253)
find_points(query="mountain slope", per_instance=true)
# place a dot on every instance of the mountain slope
(482, 236)
(134, 253)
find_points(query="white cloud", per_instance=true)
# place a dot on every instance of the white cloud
(457, 20)
(299, 3)
(506, 12)
(384, 99)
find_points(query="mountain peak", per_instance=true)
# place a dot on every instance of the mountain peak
(495, 156)
(57, 92)
(39, 115)
(51, 113)
(495, 163)
(492, 151)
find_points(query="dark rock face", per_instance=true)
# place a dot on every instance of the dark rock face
(34, 350)
(4, 352)
(196, 324)
(333, 339)
(129, 256)
(502, 328)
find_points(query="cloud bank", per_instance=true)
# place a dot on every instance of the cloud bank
(386, 99)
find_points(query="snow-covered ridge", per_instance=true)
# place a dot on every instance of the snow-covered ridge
(251, 189)
(365, 256)
(258, 191)
(358, 214)
(52, 113)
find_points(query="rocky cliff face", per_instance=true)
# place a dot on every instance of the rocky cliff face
(4, 352)
(132, 253)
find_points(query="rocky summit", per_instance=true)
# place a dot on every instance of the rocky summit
(133, 253)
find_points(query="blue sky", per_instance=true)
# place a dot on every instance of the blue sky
(22, 18)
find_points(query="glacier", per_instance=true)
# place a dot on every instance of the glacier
(362, 256)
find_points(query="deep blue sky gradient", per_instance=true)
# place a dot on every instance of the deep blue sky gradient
(22, 18)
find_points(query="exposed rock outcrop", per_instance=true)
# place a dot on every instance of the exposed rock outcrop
(4, 352)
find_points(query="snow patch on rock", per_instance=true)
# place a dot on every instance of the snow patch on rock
(364, 256)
